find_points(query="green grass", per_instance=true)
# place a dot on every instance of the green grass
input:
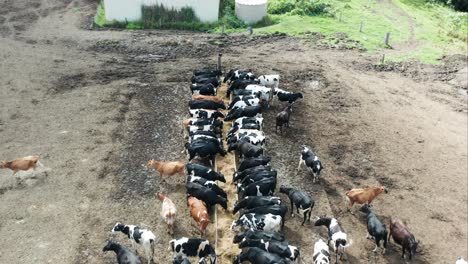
(438, 30)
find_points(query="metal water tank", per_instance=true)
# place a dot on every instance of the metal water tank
(251, 11)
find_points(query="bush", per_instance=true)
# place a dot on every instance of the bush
(298, 7)
(156, 15)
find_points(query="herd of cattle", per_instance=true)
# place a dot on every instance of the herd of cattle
(261, 214)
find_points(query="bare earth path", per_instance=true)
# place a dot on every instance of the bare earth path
(98, 104)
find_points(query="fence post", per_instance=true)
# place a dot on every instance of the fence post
(250, 29)
(383, 59)
(360, 27)
(387, 38)
(222, 29)
(219, 59)
(340, 16)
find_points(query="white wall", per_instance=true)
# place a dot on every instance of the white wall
(205, 10)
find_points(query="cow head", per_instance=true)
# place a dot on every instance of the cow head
(203, 224)
(235, 224)
(217, 114)
(413, 245)
(118, 227)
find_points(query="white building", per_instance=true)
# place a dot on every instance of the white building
(130, 10)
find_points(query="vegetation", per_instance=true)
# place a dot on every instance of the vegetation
(432, 26)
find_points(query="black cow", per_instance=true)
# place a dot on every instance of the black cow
(304, 203)
(205, 80)
(312, 162)
(276, 209)
(279, 248)
(250, 202)
(258, 176)
(376, 229)
(253, 162)
(204, 149)
(290, 97)
(124, 255)
(239, 175)
(210, 184)
(203, 88)
(206, 104)
(207, 72)
(192, 247)
(256, 255)
(205, 194)
(258, 234)
(238, 86)
(205, 172)
(246, 149)
(265, 187)
(248, 111)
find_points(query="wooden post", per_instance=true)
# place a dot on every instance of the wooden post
(250, 29)
(160, 22)
(341, 14)
(360, 27)
(383, 59)
(222, 28)
(219, 58)
(387, 38)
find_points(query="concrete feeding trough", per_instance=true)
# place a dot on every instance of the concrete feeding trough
(251, 11)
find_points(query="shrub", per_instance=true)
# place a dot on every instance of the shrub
(279, 7)
(298, 7)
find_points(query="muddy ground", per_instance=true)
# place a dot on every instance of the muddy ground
(98, 104)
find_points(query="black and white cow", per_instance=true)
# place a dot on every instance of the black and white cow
(248, 120)
(205, 194)
(279, 248)
(312, 162)
(236, 74)
(204, 149)
(258, 176)
(238, 86)
(206, 104)
(203, 89)
(267, 222)
(321, 253)
(205, 113)
(210, 184)
(265, 187)
(258, 234)
(248, 111)
(253, 162)
(285, 96)
(253, 136)
(250, 202)
(141, 236)
(195, 136)
(304, 203)
(271, 80)
(124, 255)
(338, 238)
(192, 247)
(246, 149)
(193, 128)
(180, 260)
(276, 209)
(266, 93)
(236, 128)
(243, 92)
(239, 175)
(376, 229)
(239, 99)
(205, 121)
(256, 255)
(204, 172)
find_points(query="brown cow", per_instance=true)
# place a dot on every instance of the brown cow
(26, 163)
(199, 213)
(167, 167)
(207, 97)
(363, 196)
(403, 237)
(168, 211)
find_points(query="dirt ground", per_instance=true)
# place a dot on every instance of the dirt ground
(96, 105)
